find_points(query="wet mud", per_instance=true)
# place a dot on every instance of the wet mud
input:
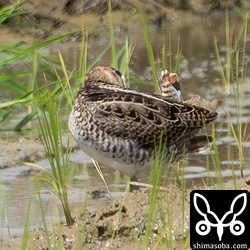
(121, 223)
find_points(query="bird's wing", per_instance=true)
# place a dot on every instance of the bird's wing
(129, 114)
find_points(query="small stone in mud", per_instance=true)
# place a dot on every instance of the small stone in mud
(97, 194)
(25, 158)
(247, 181)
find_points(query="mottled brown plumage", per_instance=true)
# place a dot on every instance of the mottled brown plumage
(169, 85)
(123, 128)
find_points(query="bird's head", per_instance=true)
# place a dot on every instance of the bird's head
(105, 75)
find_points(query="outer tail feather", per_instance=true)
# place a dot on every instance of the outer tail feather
(170, 86)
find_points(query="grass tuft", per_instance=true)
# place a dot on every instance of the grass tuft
(233, 76)
(58, 154)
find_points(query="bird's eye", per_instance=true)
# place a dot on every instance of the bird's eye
(118, 72)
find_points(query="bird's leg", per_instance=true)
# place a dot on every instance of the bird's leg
(133, 184)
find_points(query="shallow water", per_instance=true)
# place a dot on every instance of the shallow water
(199, 74)
(21, 196)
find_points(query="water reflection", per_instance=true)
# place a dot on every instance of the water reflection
(21, 198)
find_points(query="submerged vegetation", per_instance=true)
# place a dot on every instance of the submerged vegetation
(42, 87)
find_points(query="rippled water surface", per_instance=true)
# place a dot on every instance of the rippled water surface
(199, 74)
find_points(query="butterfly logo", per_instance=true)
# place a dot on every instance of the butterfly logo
(203, 227)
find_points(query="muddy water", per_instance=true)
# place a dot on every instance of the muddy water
(199, 74)
(21, 198)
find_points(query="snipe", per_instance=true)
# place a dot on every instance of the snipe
(122, 128)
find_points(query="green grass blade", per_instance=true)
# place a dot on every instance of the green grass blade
(30, 49)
